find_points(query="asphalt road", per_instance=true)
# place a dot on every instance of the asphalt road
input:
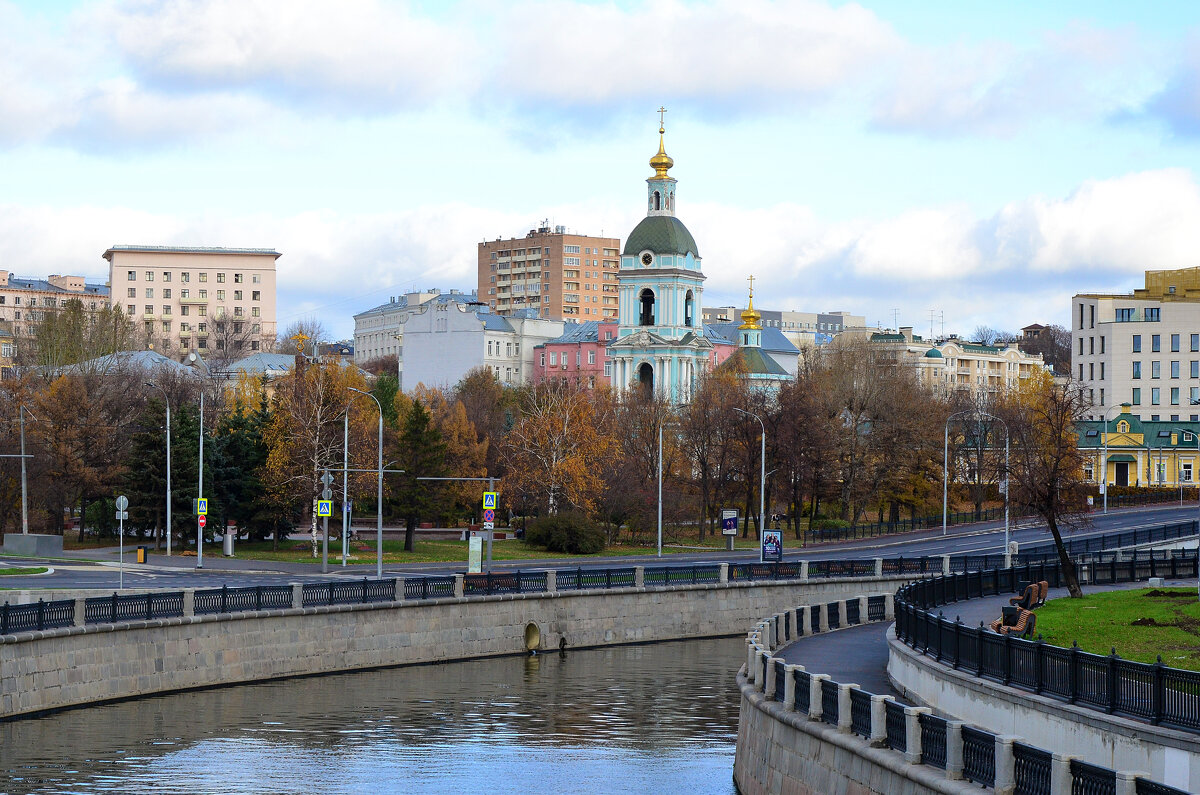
(99, 568)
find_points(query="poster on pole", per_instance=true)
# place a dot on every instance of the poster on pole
(771, 550)
(729, 522)
(475, 554)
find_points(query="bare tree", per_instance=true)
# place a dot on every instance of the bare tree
(306, 331)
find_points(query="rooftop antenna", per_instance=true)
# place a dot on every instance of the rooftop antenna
(931, 313)
(896, 319)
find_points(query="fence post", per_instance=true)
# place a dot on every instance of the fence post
(1111, 677)
(1006, 765)
(889, 607)
(80, 613)
(912, 730)
(224, 598)
(878, 738)
(864, 610)
(879, 567)
(806, 620)
(113, 611)
(1127, 781)
(945, 565)
(639, 576)
(841, 608)
(823, 617)
(815, 698)
(845, 723)
(804, 571)
(723, 573)
(41, 614)
(1060, 774)
(459, 585)
(750, 650)
(1157, 696)
(551, 581)
(954, 750)
(789, 686)
(768, 676)
(297, 595)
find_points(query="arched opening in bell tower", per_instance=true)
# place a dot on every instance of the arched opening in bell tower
(646, 301)
(657, 200)
(645, 380)
(689, 302)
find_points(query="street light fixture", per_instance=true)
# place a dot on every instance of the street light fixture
(762, 476)
(379, 497)
(167, 401)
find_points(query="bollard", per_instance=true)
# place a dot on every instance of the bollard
(750, 650)
(954, 750)
(878, 738)
(845, 723)
(814, 695)
(1006, 765)
(912, 731)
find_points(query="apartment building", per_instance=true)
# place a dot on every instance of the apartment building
(218, 302)
(561, 276)
(378, 331)
(1141, 348)
(24, 302)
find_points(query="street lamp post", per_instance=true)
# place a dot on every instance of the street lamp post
(946, 465)
(379, 496)
(660, 481)
(167, 401)
(24, 488)
(1104, 462)
(200, 492)
(762, 474)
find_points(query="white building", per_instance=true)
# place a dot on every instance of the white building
(377, 331)
(449, 336)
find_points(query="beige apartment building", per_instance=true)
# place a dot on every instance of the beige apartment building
(562, 276)
(217, 302)
(24, 303)
(1141, 348)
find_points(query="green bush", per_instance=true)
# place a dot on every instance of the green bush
(571, 533)
(829, 524)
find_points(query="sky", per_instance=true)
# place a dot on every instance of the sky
(943, 165)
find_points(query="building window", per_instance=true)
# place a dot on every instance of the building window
(1091, 371)
(132, 292)
(149, 276)
(256, 278)
(553, 358)
(1194, 395)
(237, 278)
(1152, 314)
(255, 295)
(578, 354)
(184, 292)
(185, 277)
(1124, 315)
(220, 295)
(203, 294)
(220, 278)
(167, 293)
(254, 311)
(1174, 343)
(166, 309)
(1155, 343)
(1174, 396)
(1091, 345)
(131, 276)
(204, 277)
(608, 369)
(1155, 370)
(1137, 369)
(1137, 343)
(1195, 369)
(591, 357)
(1155, 396)
(237, 295)
(542, 359)
(1174, 369)
(1137, 396)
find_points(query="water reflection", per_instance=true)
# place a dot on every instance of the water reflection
(629, 719)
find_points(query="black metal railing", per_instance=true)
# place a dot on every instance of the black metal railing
(579, 579)
(853, 608)
(933, 740)
(979, 756)
(1088, 779)
(1032, 769)
(350, 593)
(780, 680)
(1145, 786)
(897, 726)
(860, 712)
(132, 607)
(236, 600)
(36, 617)
(803, 691)
(1147, 691)
(829, 701)
(428, 587)
(699, 574)
(832, 615)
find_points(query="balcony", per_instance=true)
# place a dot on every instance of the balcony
(193, 300)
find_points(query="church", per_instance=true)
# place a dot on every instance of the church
(660, 346)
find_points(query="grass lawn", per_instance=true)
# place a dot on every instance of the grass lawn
(13, 571)
(1141, 624)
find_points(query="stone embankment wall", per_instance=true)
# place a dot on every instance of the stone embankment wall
(61, 668)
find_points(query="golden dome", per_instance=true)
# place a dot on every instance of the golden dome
(750, 315)
(661, 162)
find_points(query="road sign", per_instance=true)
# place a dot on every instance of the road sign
(489, 499)
(489, 526)
(122, 502)
(489, 515)
(326, 493)
(346, 506)
(203, 520)
(202, 506)
(327, 479)
(324, 507)
(122, 515)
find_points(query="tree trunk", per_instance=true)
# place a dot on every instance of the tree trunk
(410, 534)
(1068, 566)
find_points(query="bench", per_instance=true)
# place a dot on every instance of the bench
(1015, 621)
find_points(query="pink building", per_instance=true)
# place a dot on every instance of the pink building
(581, 353)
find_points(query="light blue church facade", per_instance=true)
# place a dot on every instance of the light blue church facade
(660, 346)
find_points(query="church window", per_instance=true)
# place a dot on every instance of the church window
(647, 304)
(688, 303)
(657, 200)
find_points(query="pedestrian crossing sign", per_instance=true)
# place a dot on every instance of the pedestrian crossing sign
(489, 499)
(324, 507)
(201, 506)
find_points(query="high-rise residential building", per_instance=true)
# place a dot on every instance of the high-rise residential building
(1141, 348)
(217, 302)
(24, 302)
(562, 276)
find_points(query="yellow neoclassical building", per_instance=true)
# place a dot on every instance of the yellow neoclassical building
(1139, 452)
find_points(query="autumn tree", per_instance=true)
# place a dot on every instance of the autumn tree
(72, 334)
(706, 438)
(1054, 344)
(421, 454)
(554, 452)
(1046, 469)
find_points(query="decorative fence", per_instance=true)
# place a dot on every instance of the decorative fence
(962, 751)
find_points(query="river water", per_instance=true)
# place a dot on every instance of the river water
(652, 718)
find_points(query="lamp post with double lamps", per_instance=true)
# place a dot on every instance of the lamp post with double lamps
(946, 465)
(660, 481)
(379, 496)
(762, 475)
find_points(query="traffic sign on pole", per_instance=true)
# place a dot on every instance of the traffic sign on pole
(203, 520)
(489, 499)
(201, 506)
(324, 507)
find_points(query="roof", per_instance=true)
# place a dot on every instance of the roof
(1122, 458)
(574, 333)
(757, 362)
(933, 353)
(267, 363)
(662, 234)
(145, 361)
(401, 302)
(772, 339)
(92, 288)
(187, 250)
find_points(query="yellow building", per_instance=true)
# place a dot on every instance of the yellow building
(1139, 452)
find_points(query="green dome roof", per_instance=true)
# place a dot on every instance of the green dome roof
(662, 234)
(933, 353)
